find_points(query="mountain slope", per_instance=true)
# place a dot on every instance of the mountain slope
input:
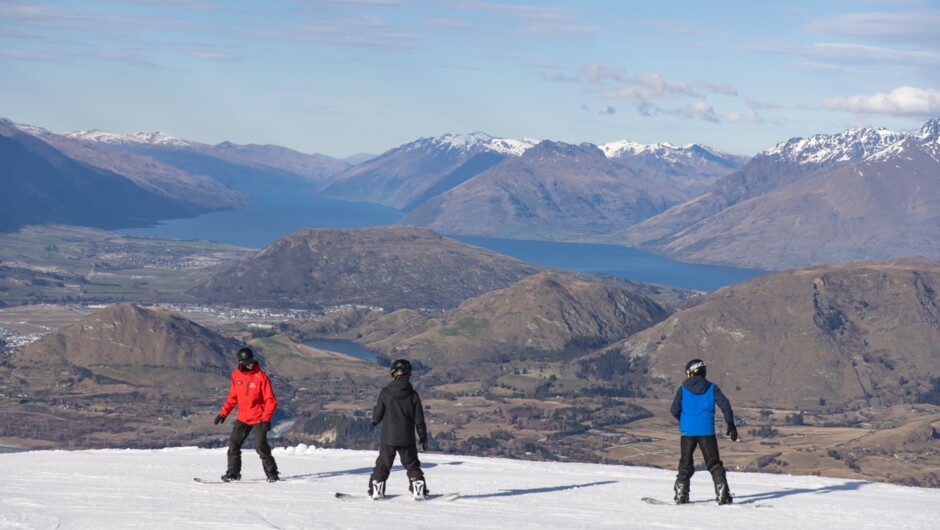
(769, 170)
(197, 189)
(690, 168)
(552, 191)
(413, 173)
(543, 316)
(884, 206)
(114, 489)
(849, 335)
(393, 267)
(42, 185)
(865, 194)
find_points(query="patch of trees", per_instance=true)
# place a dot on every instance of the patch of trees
(351, 433)
(932, 396)
(608, 366)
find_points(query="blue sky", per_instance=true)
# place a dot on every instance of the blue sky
(344, 77)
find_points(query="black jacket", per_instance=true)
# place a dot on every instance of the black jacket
(400, 408)
(698, 385)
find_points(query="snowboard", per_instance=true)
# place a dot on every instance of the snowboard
(244, 481)
(365, 497)
(658, 502)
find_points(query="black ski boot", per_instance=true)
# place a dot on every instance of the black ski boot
(273, 477)
(231, 476)
(722, 493)
(682, 492)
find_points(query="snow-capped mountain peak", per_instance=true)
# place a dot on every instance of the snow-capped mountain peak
(853, 144)
(476, 141)
(930, 132)
(154, 138)
(665, 150)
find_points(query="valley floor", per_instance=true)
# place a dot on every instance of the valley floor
(155, 489)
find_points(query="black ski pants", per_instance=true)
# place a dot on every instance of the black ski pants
(240, 431)
(709, 448)
(409, 461)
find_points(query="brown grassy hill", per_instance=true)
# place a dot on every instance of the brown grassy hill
(392, 267)
(853, 335)
(545, 316)
(126, 334)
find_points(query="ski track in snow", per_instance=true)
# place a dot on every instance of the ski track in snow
(123, 489)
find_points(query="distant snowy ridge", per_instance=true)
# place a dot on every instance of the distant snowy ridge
(664, 150)
(478, 141)
(853, 144)
(154, 138)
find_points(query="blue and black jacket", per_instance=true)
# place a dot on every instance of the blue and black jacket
(694, 407)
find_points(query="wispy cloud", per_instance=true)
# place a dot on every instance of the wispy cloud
(718, 88)
(904, 101)
(908, 26)
(535, 21)
(685, 27)
(126, 57)
(645, 87)
(842, 53)
(699, 111)
(360, 30)
(598, 73)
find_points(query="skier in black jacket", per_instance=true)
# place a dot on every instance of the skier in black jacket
(399, 408)
(694, 407)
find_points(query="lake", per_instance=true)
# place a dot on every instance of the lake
(346, 347)
(278, 213)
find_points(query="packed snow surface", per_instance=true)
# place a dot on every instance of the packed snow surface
(155, 489)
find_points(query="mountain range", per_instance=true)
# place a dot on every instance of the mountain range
(861, 194)
(104, 180)
(857, 195)
(477, 184)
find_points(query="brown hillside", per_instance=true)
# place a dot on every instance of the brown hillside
(843, 335)
(126, 335)
(391, 267)
(540, 317)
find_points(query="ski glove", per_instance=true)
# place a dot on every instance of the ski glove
(219, 419)
(732, 432)
(425, 444)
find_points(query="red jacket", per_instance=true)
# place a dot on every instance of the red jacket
(251, 391)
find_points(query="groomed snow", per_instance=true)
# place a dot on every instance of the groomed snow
(155, 489)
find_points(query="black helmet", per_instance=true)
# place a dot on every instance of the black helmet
(401, 368)
(695, 367)
(245, 356)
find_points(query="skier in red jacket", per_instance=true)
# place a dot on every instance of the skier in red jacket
(251, 392)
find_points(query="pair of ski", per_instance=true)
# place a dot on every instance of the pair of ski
(446, 497)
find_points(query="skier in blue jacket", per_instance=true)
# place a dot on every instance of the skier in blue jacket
(694, 407)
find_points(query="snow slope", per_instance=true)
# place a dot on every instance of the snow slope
(155, 489)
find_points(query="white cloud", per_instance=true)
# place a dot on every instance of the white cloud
(719, 88)
(641, 87)
(698, 111)
(598, 73)
(903, 101)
